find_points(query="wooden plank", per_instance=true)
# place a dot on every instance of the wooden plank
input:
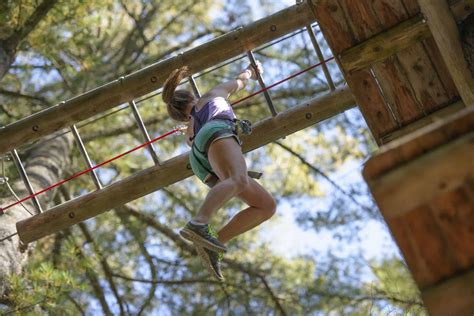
(426, 120)
(337, 32)
(433, 52)
(174, 170)
(454, 215)
(417, 143)
(401, 230)
(361, 19)
(446, 35)
(152, 77)
(397, 91)
(441, 68)
(384, 44)
(454, 296)
(429, 257)
(394, 83)
(417, 182)
(423, 78)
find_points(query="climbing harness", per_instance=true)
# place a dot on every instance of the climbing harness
(244, 125)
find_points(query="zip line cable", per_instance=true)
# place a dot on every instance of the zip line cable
(175, 130)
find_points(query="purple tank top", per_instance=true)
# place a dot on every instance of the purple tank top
(216, 108)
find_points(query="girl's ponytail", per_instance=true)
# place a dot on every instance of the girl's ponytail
(178, 101)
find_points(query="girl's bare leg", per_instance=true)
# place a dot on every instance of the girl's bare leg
(226, 159)
(261, 207)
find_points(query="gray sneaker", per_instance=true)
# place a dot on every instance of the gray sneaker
(203, 235)
(212, 261)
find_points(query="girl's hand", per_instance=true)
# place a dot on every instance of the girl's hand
(253, 74)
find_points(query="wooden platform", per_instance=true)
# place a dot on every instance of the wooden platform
(424, 186)
(391, 61)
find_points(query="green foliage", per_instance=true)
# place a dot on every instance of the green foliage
(43, 286)
(84, 44)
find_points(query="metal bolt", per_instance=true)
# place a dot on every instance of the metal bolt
(71, 215)
(35, 128)
(273, 28)
(188, 166)
(153, 79)
(308, 116)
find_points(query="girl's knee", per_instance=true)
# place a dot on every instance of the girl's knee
(240, 182)
(269, 207)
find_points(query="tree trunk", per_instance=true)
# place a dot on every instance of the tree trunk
(6, 58)
(45, 166)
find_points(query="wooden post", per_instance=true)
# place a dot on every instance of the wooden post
(177, 169)
(152, 77)
(446, 34)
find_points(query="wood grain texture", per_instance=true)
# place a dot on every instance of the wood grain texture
(426, 120)
(446, 35)
(152, 77)
(176, 169)
(415, 144)
(335, 26)
(420, 180)
(454, 296)
(384, 44)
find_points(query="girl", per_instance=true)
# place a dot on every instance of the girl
(216, 154)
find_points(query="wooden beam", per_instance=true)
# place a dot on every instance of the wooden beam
(384, 44)
(417, 182)
(426, 120)
(454, 296)
(176, 169)
(415, 144)
(446, 34)
(152, 77)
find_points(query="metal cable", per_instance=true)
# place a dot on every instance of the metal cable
(198, 76)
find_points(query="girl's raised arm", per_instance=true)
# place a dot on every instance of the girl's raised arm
(228, 88)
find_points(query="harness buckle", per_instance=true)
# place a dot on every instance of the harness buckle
(244, 127)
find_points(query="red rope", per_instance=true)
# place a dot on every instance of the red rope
(89, 170)
(157, 138)
(283, 80)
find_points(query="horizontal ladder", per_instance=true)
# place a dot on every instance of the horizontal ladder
(177, 169)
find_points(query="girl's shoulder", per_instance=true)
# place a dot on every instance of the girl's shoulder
(206, 99)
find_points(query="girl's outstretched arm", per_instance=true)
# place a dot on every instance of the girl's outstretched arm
(226, 89)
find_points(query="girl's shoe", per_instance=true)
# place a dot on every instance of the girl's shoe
(212, 260)
(203, 235)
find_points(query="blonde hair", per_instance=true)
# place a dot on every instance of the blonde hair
(177, 101)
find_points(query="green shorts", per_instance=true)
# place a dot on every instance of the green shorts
(209, 133)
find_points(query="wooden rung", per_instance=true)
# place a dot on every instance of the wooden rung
(177, 169)
(384, 45)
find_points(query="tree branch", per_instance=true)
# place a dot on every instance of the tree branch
(105, 265)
